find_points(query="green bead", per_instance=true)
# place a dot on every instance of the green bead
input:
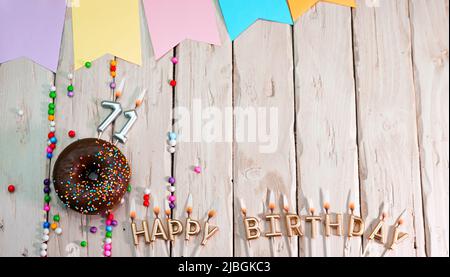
(129, 188)
(108, 234)
(52, 95)
(83, 243)
(51, 106)
(51, 112)
(56, 218)
(70, 88)
(47, 198)
(88, 64)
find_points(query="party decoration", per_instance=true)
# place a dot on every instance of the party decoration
(116, 110)
(106, 27)
(398, 235)
(143, 232)
(192, 228)
(252, 230)
(32, 29)
(209, 229)
(175, 227)
(299, 7)
(337, 225)
(239, 15)
(11, 188)
(172, 21)
(121, 136)
(378, 233)
(293, 225)
(70, 88)
(273, 218)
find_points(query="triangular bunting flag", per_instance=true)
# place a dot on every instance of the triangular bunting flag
(32, 29)
(172, 21)
(106, 27)
(240, 14)
(299, 7)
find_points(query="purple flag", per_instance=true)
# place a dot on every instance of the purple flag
(32, 29)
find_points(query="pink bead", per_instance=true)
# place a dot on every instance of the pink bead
(49, 150)
(107, 247)
(108, 222)
(172, 198)
(198, 169)
(46, 208)
(107, 253)
(174, 60)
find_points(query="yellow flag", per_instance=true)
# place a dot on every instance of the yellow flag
(106, 27)
(299, 7)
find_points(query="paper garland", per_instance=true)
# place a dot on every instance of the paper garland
(239, 15)
(172, 21)
(299, 7)
(106, 27)
(32, 29)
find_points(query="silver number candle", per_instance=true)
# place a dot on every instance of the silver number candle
(122, 135)
(116, 111)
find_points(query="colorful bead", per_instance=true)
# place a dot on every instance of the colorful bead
(114, 223)
(171, 149)
(71, 133)
(56, 218)
(58, 231)
(112, 85)
(43, 253)
(113, 68)
(108, 234)
(146, 203)
(107, 253)
(173, 83)
(53, 226)
(46, 231)
(174, 60)
(171, 188)
(51, 106)
(52, 95)
(172, 205)
(47, 208)
(70, 76)
(83, 243)
(93, 229)
(88, 64)
(172, 136)
(47, 190)
(70, 94)
(171, 180)
(108, 228)
(146, 197)
(45, 238)
(108, 222)
(110, 216)
(172, 143)
(49, 155)
(46, 225)
(44, 246)
(129, 188)
(147, 191)
(198, 169)
(70, 88)
(172, 198)
(47, 182)
(47, 198)
(107, 246)
(113, 63)
(108, 240)
(53, 140)
(51, 117)
(11, 188)
(113, 74)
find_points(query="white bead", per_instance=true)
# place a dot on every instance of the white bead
(70, 76)
(45, 238)
(171, 188)
(171, 150)
(43, 253)
(52, 129)
(147, 191)
(58, 231)
(53, 88)
(20, 112)
(108, 240)
(46, 231)
(52, 123)
(44, 246)
(172, 142)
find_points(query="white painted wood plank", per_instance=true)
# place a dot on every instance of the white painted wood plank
(326, 120)
(429, 23)
(82, 113)
(204, 85)
(146, 147)
(263, 79)
(23, 86)
(387, 131)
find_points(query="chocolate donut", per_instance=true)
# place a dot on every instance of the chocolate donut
(91, 176)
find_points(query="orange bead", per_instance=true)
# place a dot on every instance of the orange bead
(51, 117)
(113, 63)
(54, 226)
(113, 74)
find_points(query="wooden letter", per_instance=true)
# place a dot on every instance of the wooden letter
(313, 219)
(378, 234)
(335, 225)
(293, 225)
(251, 228)
(137, 233)
(174, 228)
(273, 225)
(192, 228)
(357, 222)
(209, 232)
(158, 230)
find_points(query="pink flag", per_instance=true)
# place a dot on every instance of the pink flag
(172, 21)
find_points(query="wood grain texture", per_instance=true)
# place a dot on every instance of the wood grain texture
(82, 113)
(429, 25)
(326, 120)
(23, 86)
(204, 89)
(387, 132)
(263, 79)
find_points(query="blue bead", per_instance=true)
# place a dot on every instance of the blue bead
(47, 182)
(108, 228)
(172, 136)
(53, 140)
(49, 155)
(47, 190)
(46, 225)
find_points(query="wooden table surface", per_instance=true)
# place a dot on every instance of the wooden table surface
(363, 112)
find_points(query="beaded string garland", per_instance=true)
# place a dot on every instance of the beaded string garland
(91, 175)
